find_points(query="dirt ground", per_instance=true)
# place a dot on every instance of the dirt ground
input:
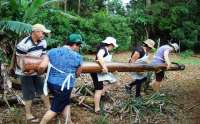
(182, 86)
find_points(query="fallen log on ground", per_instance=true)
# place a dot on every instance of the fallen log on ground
(89, 67)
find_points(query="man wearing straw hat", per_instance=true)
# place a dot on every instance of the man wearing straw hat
(31, 82)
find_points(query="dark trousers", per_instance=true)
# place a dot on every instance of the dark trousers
(138, 83)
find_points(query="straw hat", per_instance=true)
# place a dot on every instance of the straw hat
(110, 40)
(150, 43)
(40, 27)
(175, 46)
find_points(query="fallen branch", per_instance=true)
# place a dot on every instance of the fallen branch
(188, 109)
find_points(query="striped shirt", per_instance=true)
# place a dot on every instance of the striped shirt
(28, 47)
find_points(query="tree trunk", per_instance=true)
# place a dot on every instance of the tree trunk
(147, 33)
(79, 7)
(65, 5)
(148, 3)
(89, 67)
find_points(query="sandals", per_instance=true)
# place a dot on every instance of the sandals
(33, 120)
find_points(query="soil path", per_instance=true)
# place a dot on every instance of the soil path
(183, 86)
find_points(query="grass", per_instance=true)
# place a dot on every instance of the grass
(189, 61)
(154, 104)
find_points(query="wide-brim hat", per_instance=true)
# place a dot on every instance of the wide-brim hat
(110, 40)
(150, 43)
(40, 27)
(175, 46)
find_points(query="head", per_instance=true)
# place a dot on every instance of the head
(111, 43)
(74, 41)
(174, 46)
(149, 44)
(38, 31)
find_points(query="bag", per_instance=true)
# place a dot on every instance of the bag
(27, 63)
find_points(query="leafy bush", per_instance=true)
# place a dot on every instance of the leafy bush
(186, 54)
(101, 25)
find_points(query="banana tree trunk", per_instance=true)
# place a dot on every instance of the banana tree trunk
(89, 67)
(28, 63)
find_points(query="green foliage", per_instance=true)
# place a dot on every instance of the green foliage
(32, 9)
(186, 54)
(115, 7)
(98, 19)
(15, 26)
(103, 119)
(2, 57)
(16, 113)
(101, 24)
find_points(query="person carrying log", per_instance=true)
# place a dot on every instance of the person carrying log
(31, 83)
(103, 56)
(162, 56)
(140, 55)
(63, 68)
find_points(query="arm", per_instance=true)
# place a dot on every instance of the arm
(43, 65)
(134, 57)
(150, 57)
(45, 61)
(78, 71)
(167, 60)
(101, 61)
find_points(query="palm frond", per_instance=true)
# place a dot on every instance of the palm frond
(51, 2)
(25, 3)
(4, 3)
(15, 26)
(63, 14)
(33, 9)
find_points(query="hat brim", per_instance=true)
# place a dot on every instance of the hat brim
(115, 45)
(150, 46)
(173, 47)
(47, 31)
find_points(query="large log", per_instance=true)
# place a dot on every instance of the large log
(89, 67)
(28, 63)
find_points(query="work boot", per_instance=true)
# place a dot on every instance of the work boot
(128, 89)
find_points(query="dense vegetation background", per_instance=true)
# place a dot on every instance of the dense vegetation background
(161, 20)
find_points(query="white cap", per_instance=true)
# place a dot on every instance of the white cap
(40, 27)
(175, 46)
(110, 40)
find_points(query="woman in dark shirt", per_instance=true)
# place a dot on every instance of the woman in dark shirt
(140, 55)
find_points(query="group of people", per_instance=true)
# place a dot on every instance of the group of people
(64, 66)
